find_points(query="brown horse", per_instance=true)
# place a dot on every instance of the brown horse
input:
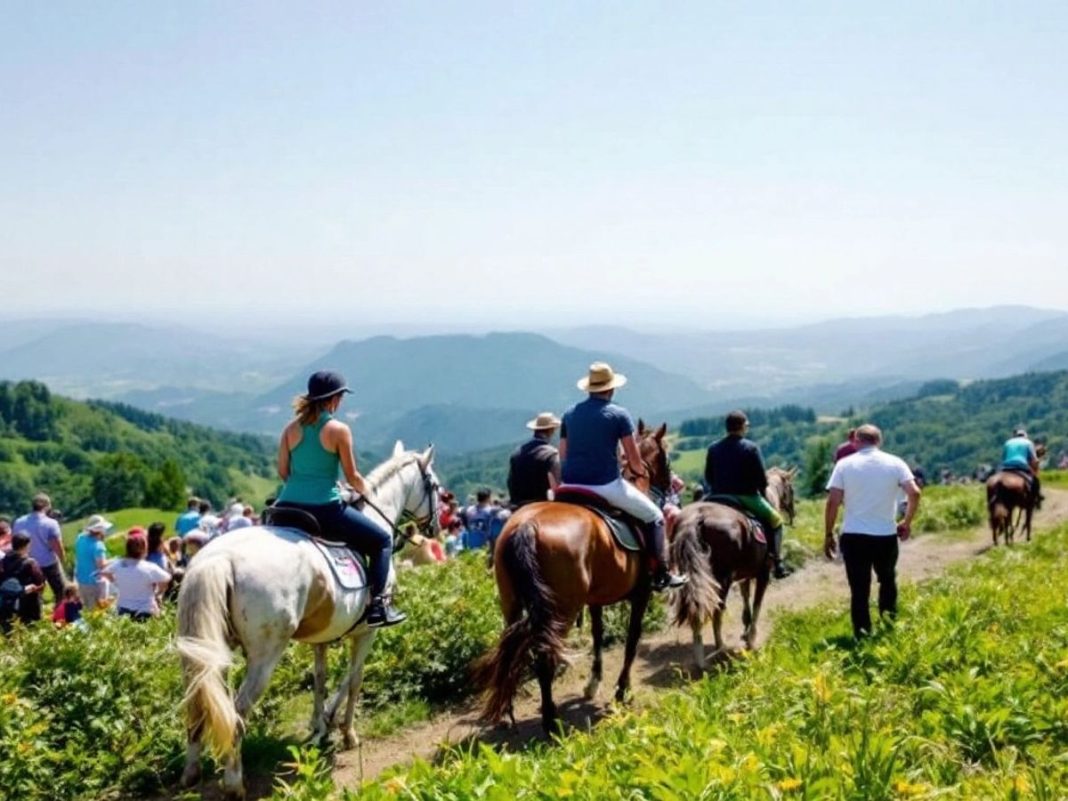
(716, 545)
(1008, 500)
(551, 560)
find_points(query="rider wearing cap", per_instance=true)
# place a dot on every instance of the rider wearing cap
(534, 467)
(1018, 455)
(313, 448)
(734, 468)
(590, 435)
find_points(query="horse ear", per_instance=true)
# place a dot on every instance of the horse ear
(426, 457)
(398, 449)
(641, 426)
(660, 432)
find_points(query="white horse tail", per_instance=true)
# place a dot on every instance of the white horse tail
(203, 644)
(695, 601)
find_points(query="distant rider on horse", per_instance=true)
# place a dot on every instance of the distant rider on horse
(312, 449)
(734, 470)
(1018, 455)
(590, 435)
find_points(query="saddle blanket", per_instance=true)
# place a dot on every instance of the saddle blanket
(348, 568)
(755, 528)
(625, 529)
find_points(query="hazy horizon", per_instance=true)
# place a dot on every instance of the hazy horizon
(707, 165)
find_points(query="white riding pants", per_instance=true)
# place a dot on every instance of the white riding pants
(625, 496)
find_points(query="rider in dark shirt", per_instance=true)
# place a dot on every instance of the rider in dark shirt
(734, 467)
(534, 468)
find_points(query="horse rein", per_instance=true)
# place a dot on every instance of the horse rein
(402, 536)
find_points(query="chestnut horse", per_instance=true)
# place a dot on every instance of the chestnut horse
(551, 560)
(716, 546)
(1008, 500)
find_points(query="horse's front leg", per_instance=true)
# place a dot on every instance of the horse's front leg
(747, 609)
(361, 646)
(717, 616)
(318, 728)
(1027, 521)
(638, 604)
(596, 672)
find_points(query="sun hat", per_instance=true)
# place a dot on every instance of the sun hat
(601, 378)
(325, 384)
(544, 421)
(98, 524)
(237, 509)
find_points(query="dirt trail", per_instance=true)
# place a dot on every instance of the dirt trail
(664, 658)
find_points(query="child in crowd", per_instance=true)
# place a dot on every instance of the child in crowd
(69, 610)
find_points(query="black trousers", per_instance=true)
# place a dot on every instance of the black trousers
(57, 580)
(863, 553)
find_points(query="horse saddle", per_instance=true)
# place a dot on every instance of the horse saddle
(626, 530)
(756, 528)
(348, 567)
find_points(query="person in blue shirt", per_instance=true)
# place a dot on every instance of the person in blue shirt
(478, 520)
(1018, 455)
(188, 520)
(591, 434)
(90, 555)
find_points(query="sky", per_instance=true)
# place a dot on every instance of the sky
(517, 164)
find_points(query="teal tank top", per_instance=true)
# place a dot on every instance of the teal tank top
(313, 470)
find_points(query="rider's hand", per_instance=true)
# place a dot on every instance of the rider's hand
(829, 546)
(904, 531)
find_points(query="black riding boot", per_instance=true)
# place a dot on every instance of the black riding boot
(381, 613)
(1036, 491)
(656, 547)
(775, 547)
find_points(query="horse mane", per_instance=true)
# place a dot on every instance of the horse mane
(389, 468)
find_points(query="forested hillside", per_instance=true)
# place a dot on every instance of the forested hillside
(99, 456)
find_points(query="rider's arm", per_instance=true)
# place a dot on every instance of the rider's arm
(912, 492)
(345, 450)
(634, 458)
(283, 455)
(562, 450)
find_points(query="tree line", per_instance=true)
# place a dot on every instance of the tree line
(98, 456)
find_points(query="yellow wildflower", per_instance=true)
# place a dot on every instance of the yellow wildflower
(907, 790)
(786, 785)
(1021, 784)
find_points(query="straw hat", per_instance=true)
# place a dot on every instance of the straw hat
(98, 524)
(544, 422)
(601, 378)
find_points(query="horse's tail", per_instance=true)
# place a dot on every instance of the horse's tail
(203, 645)
(537, 632)
(695, 601)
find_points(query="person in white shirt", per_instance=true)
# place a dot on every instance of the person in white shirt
(137, 581)
(868, 484)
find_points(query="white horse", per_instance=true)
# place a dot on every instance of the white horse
(262, 586)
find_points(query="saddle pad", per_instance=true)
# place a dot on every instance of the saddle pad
(755, 527)
(623, 527)
(348, 568)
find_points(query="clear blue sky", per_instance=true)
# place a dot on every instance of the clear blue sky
(698, 163)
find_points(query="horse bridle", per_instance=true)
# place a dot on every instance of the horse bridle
(658, 495)
(426, 524)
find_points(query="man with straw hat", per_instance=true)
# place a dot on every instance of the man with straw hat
(534, 468)
(590, 435)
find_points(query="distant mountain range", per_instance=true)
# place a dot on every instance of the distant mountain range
(472, 392)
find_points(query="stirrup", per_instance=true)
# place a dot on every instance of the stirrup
(668, 581)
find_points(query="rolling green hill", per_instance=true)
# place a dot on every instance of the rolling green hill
(96, 456)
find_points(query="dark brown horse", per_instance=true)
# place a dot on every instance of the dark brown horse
(716, 545)
(551, 560)
(1009, 501)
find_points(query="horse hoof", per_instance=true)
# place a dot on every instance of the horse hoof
(349, 739)
(191, 776)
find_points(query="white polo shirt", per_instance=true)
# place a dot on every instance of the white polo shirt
(871, 480)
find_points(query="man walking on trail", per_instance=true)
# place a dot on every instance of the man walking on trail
(534, 467)
(590, 437)
(46, 543)
(190, 519)
(734, 468)
(868, 484)
(1018, 455)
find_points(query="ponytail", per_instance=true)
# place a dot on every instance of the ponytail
(307, 411)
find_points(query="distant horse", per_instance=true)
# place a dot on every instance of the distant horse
(552, 559)
(1008, 501)
(262, 586)
(717, 545)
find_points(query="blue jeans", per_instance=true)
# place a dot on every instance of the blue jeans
(343, 523)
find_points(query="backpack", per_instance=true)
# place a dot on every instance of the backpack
(10, 593)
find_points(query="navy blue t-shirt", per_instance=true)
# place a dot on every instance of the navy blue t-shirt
(593, 429)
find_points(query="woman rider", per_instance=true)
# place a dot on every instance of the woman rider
(313, 447)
